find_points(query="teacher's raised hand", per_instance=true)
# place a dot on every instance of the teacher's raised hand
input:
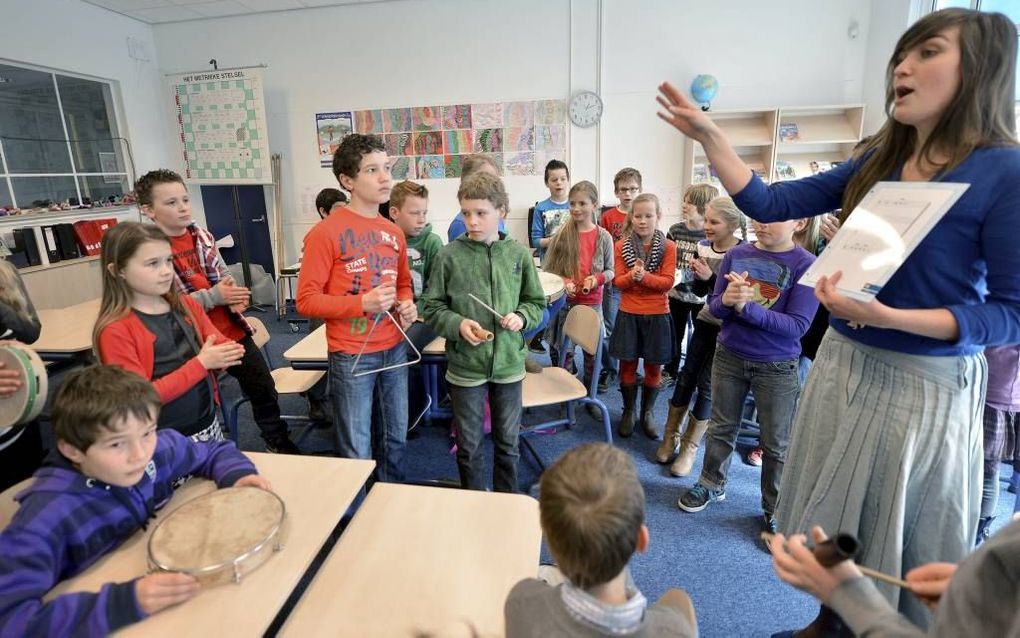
(689, 119)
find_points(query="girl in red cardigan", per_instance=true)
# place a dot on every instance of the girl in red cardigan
(147, 327)
(645, 262)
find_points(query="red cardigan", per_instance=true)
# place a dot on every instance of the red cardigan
(129, 344)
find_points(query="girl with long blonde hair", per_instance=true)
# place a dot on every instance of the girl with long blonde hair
(147, 327)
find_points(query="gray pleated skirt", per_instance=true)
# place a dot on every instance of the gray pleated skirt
(887, 446)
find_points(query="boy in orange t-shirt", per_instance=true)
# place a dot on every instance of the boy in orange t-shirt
(353, 272)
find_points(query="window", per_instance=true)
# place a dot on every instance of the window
(59, 141)
(1011, 9)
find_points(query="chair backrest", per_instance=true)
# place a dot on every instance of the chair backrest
(261, 336)
(584, 328)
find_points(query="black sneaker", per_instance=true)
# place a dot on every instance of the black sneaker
(281, 445)
(536, 345)
(603, 381)
(317, 411)
(698, 497)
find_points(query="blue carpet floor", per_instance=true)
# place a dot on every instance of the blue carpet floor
(715, 555)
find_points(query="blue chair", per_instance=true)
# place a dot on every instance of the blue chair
(555, 385)
(287, 381)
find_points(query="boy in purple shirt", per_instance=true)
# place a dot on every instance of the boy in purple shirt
(764, 314)
(110, 472)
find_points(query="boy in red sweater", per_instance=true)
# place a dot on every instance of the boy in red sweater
(355, 271)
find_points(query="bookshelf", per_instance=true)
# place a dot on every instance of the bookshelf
(752, 133)
(824, 134)
(810, 139)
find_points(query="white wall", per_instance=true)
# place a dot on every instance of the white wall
(390, 54)
(70, 35)
(417, 52)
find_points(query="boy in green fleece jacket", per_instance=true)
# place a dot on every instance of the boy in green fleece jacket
(409, 209)
(501, 273)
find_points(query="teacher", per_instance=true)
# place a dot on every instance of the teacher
(887, 439)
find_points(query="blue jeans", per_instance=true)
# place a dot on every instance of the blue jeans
(776, 390)
(352, 408)
(610, 307)
(468, 410)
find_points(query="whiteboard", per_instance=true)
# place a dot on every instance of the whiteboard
(219, 120)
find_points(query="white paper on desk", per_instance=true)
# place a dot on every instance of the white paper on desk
(880, 234)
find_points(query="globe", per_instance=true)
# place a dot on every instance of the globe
(703, 90)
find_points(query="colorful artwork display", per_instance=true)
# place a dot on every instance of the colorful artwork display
(431, 142)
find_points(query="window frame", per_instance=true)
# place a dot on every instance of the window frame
(122, 147)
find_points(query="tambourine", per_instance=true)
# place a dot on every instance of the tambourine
(27, 402)
(221, 536)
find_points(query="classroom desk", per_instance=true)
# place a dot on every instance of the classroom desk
(311, 352)
(422, 560)
(316, 491)
(66, 332)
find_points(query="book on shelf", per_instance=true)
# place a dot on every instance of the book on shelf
(785, 170)
(789, 132)
(819, 166)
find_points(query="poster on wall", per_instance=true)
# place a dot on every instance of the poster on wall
(431, 142)
(331, 128)
(219, 118)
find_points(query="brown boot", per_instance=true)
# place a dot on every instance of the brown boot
(689, 447)
(648, 424)
(626, 426)
(670, 445)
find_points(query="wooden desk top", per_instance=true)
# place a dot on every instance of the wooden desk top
(67, 330)
(316, 490)
(313, 348)
(422, 559)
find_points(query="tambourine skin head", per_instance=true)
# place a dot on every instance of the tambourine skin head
(220, 537)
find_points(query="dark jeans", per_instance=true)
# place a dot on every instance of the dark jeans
(776, 389)
(697, 371)
(683, 315)
(22, 457)
(468, 410)
(420, 334)
(352, 409)
(320, 391)
(257, 384)
(610, 308)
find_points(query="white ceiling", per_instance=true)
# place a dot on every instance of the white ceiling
(158, 11)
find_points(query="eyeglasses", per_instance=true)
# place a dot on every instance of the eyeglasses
(632, 189)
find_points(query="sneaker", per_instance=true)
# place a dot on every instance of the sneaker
(536, 345)
(770, 524)
(603, 381)
(282, 445)
(754, 457)
(667, 380)
(698, 497)
(317, 411)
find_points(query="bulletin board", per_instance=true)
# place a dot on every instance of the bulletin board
(431, 142)
(220, 126)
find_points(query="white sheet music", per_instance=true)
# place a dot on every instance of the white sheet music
(883, 230)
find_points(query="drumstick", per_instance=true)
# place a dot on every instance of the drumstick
(867, 571)
(485, 305)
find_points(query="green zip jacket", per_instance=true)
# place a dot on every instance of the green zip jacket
(421, 253)
(501, 274)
